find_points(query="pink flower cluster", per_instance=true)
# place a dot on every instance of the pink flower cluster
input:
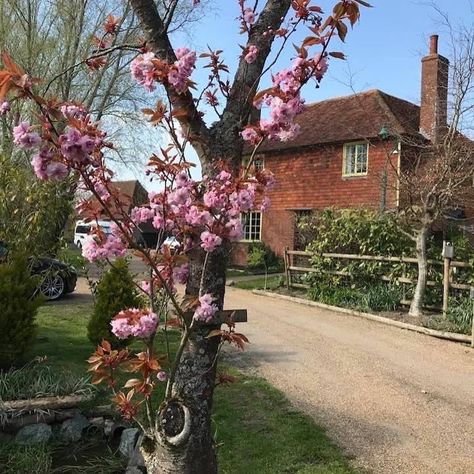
(4, 107)
(251, 54)
(182, 69)
(285, 102)
(45, 168)
(73, 111)
(210, 241)
(206, 309)
(76, 147)
(134, 322)
(25, 137)
(249, 16)
(109, 246)
(181, 273)
(143, 70)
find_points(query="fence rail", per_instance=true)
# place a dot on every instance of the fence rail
(446, 263)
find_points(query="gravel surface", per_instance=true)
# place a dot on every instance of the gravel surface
(396, 401)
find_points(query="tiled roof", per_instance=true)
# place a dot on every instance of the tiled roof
(355, 117)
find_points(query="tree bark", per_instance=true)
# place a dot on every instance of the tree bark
(184, 444)
(416, 306)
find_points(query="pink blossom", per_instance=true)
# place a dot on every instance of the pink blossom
(265, 204)
(243, 199)
(134, 322)
(179, 196)
(143, 69)
(249, 16)
(234, 229)
(206, 309)
(75, 146)
(4, 107)
(162, 376)
(181, 273)
(214, 199)
(182, 69)
(139, 215)
(24, 137)
(182, 180)
(92, 250)
(158, 222)
(250, 134)
(73, 111)
(251, 54)
(322, 66)
(145, 286)
(210, 241)
(197, 217)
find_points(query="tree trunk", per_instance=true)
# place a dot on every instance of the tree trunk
(185, 444)
(416, 306)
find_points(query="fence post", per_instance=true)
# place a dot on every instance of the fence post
(472, 333)
(448, 254)
(287, 268)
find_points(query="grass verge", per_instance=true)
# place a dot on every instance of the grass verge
(258, 283)
(257, 430)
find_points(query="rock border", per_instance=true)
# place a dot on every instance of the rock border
(450, 336)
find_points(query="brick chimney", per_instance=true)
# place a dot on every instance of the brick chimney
(434, 93)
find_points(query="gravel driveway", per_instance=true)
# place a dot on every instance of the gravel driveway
(395, 401)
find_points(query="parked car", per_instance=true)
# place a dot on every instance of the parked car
(56, 278)
(82, 229)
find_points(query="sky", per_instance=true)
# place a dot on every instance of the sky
(383, 50)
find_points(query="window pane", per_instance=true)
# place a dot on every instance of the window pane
(356, 159)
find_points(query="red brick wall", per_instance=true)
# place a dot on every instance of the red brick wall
(312, 179)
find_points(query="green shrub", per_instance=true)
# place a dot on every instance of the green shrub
(19, 306)
(113, 293)
(460, 314)
(381, 297)
(262, 257)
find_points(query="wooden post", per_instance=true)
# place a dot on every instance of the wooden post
(287, 269)
(472, 333)
(448, 254)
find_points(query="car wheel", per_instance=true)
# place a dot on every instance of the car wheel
(52, 287)
(79, 244)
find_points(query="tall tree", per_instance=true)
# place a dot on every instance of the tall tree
(203, 215)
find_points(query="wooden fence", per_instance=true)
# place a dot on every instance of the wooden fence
(448, 265)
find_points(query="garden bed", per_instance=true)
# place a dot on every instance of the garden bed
(398, 319)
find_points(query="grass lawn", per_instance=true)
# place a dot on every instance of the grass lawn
(256, 429)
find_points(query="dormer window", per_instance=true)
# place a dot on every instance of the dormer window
(355, 162)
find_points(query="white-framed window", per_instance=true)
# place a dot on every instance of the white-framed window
(356, 159)
(258, 163)
(252, 225)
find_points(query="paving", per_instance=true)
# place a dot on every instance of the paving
(395, 401)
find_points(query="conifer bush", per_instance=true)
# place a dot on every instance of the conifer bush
(19, 305)
(115, 292)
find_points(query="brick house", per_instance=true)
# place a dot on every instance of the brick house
(342, 158)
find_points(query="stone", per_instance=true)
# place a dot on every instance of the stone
(136, 459)
(33, 434)
(71, 430)
(133, 470)
(108, 427)
(230, 283)
(128, 441)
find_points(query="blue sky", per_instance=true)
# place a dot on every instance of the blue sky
(383, 50)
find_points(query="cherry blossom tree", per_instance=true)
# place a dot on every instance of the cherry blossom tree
(204, 215)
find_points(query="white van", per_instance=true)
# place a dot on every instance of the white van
(82, 229)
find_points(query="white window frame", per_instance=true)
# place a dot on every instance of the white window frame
(246, 218)
(345, 157)
(257, 158)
